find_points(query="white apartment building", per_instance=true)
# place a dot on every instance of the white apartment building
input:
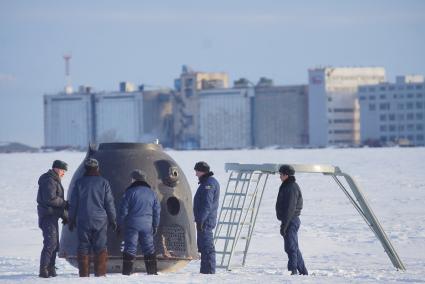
(68, 120)
(333, 106)
(225, 118)
(393, 112)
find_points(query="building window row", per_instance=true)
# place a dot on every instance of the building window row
(342, 131)
(395, 96)
(392, 87)
(419, 138)
(344, 120)
(401, 117)
(400, 106)
(343, 110)
(408, 127)
(344, 141)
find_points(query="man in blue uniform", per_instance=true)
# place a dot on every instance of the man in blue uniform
(51, 206)
(288, 209)
(139, 214)
(91, 208)
(205, 205)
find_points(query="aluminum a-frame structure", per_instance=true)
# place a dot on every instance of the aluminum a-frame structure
(242, 200)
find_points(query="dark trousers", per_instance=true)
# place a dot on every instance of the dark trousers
(295, 258)
(90, 238)
(206, 247)
(144, 237)
(50, 229)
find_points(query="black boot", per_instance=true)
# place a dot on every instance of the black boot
(127, 263)
(294, 272)
(52, 271)
(151, 264)
(44, 272)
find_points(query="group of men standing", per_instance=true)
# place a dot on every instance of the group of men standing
(91, 209)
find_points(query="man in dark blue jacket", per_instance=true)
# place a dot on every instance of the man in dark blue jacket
(51, 206)
(139, 214)
(205, 206)
(288, 209)
(91, 208)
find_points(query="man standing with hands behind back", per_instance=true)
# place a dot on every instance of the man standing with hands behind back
(288, 209)
(205, 205)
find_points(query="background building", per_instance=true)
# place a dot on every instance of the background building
(118, 117)
(225, 118)
(333, 106)
(158, 120)
(393, 112)
(280, 115)
(186, 104)
(77, 119)
(68, 120)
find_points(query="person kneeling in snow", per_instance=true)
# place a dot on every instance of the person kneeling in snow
(288, 209)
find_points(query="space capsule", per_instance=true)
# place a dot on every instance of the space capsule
(175, 242)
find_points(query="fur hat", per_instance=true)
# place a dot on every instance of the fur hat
(58, 164)
(138, 175)
(91, 163)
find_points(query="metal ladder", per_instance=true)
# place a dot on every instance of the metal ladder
(243, 197)
(239, 210)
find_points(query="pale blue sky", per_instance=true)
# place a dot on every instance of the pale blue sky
(148, 42)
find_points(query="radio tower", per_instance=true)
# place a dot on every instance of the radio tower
(68, 86)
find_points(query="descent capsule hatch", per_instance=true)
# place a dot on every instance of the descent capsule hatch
(175, 242)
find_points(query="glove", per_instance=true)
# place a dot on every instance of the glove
(65, 220)
(283, 230)
(65, 217)
(71, 226)
(199, 227)
(114, 226)
(66, 205)
(154, 230)
(118, 230)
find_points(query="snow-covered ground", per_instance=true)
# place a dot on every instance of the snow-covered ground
(337, 245)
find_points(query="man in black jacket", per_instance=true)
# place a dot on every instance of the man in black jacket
(51, 206)
(288, 209)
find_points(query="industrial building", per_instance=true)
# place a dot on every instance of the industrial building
(204, 113)
(118, 117)
(333, 108)
(280, 115)
(68, 120)
(76, 119)
(186, 104)
(393, 113)
(226, 118)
